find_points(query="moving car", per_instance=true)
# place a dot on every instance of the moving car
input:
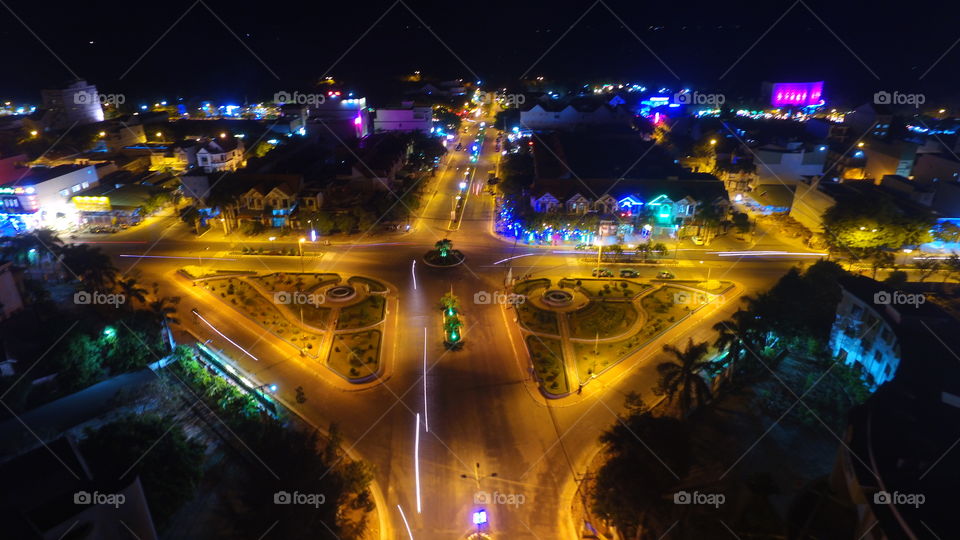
(663, 274)
(629, 272)
(601, 272)
(696, 240)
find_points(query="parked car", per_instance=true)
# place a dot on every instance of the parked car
(629, 272)
(696, 240)
(601, 272)
(663, 274)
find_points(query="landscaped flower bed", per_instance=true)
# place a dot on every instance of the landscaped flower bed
(547, 357)
(356, 355)
(295, 282)
(247, 300)
(606, 319)
(538, 320)
(366, 312)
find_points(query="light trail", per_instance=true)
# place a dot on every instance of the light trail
(174, 257)
(405, 523)
(517, 257)
(426, 417)
(235, 344)
(109, 242)
(764, 253)
(416, 462)
(413, 272)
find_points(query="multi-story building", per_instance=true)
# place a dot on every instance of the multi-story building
(124, 135)
(348, 118)
(271, 202)
(41, 197)
(406, 118)
(560, 116)
(895, 475)
(864, 332)
(790, 163)
(219, 155)
(77, 104)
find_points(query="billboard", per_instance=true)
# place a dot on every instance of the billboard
(802, 94)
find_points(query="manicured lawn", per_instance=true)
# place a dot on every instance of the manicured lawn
(367, 312)
(537, 320)
(548, 364)
(356, 355)
(607, 318)
(245, 299)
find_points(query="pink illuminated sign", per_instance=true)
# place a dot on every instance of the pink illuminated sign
(796, 94)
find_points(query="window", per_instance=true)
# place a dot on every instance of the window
(85, 185)
(887, 336)
(75, 188)
(64, 192)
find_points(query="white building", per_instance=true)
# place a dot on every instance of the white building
(789, 164)
(77, 104)
(406, 118)
(864, 333)
(540, 117)
(218, 155)
(42, 197)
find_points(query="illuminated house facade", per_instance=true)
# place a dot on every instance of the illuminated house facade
(863, 333)
(666, 205)
(217, 155)
(270, 203)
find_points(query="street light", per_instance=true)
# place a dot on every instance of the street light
(271, 387)
(300, 246)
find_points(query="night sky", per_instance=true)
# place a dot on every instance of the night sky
(296, 42)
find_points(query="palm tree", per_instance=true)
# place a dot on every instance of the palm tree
(659, 249)
(682, 378)
(450, 302)
(451, 327)
(739, 337)
(131, 290)
(90, 265)
(444, 246)
(164, 309)
(708, 217)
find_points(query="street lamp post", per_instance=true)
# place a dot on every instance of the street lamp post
(300, 245)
